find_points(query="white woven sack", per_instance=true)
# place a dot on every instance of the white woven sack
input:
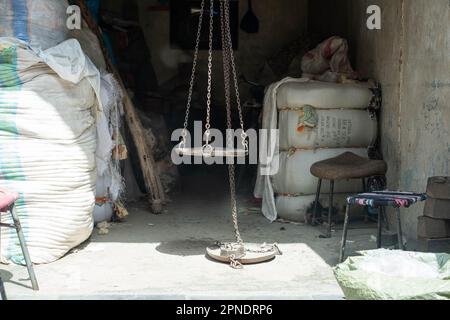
(47, 148)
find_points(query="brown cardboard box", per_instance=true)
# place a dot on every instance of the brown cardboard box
(433, 228)
(434, 245)
(437, 208)
(439, 187)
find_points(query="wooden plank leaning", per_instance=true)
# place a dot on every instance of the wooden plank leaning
(157, 196)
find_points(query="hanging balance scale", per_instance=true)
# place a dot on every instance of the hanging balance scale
(236, 253)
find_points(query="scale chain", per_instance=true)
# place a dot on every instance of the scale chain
(237, 250)
(234, 72)
(234, 263)
(226, 73)
(227, 51)
(194, 68)
(226, 32)
(210, 60)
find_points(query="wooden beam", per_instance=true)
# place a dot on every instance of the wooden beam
(157, 197)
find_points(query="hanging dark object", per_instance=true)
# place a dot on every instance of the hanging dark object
(250, 22)
(236, 253)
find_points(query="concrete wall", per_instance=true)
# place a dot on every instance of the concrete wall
(377, 55)
(410, 57)
(425, 97)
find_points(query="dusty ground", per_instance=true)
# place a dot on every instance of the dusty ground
(163, 257)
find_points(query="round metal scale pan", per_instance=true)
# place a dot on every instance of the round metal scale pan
(250, 257)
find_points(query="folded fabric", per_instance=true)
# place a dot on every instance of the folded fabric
(395, 199)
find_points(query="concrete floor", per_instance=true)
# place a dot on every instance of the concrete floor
(163, 257)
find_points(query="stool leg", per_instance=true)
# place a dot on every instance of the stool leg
(2, 287)
(380, 224)
(23, 245)
(366, 209)
(316, 202)
(344, 235)
(399, 230)
(330, 209)
(2, 290)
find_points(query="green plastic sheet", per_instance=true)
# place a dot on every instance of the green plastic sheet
(395, 275)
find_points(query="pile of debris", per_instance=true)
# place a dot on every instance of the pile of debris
(132, 57)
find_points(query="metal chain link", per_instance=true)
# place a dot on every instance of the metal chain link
(194, 68)
(210, 59)
(235, 263)
(230, 75)
(231, 174)
(227, 51)
(226, 76)
(266, 248)
(234, 71)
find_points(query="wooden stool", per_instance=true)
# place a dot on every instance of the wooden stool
(7, 200)
(380, 200)
(343, 167)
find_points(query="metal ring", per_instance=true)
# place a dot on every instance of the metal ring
(207, 150)
(246, 149)
(181, 147)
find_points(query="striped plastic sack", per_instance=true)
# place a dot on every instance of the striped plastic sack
(47, 149)
(39, 23)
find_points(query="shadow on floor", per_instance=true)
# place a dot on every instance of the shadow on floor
(6, 276)
(184, 247)
(200, 215)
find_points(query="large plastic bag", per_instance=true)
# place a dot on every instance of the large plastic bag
(40, 23)
(329, 61)
(90, 45)
(110, 184)
(395, 275)
(294, 93)
(48, 144)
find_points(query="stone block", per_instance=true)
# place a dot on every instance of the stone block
(439, 188)
(437, 208)
(433, 228)
(434, 245)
